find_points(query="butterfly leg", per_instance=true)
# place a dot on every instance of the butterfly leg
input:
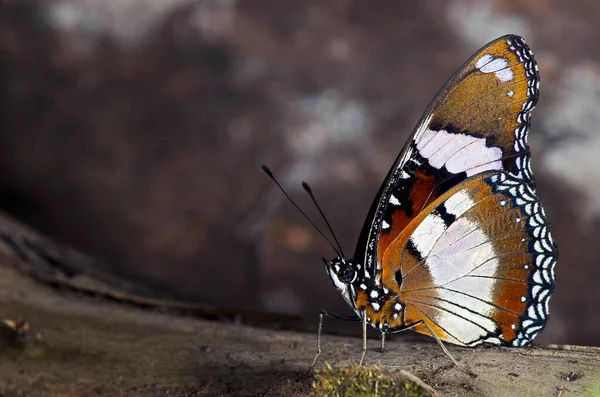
(445, 350)
(312, 366)
(382, 341)
(321, 317)
(364, 348)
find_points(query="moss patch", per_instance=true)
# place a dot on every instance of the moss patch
(361, 381)
(594, 389)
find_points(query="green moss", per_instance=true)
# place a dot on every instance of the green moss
(361, 381)
(594, 390)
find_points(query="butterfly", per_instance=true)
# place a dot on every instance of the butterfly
(456, 244)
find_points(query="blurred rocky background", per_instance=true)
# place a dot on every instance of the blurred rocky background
(134, 130)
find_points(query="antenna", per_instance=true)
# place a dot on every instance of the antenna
(312, 196)
(270, 174)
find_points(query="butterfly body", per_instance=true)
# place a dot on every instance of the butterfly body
(456, 241)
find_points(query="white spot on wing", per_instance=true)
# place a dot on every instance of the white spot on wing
(394, 200)
(475, 158)
(483, 60)
(458, 203)
(498, 66)
(385, 225)
(479, 287)
(458, 152)
(460, 251)
(437, 146)
(427, 233)
(465, 325)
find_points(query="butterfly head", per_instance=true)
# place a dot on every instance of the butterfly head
(342, 272)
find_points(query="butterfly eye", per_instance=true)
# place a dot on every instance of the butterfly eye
(347, 274)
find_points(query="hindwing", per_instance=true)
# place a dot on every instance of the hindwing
(477, 264)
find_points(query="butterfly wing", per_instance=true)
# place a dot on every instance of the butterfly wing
(477, 264)
(479, 121)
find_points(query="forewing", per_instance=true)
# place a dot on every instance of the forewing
(479, 121)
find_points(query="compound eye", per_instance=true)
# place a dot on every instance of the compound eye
(347, 274)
